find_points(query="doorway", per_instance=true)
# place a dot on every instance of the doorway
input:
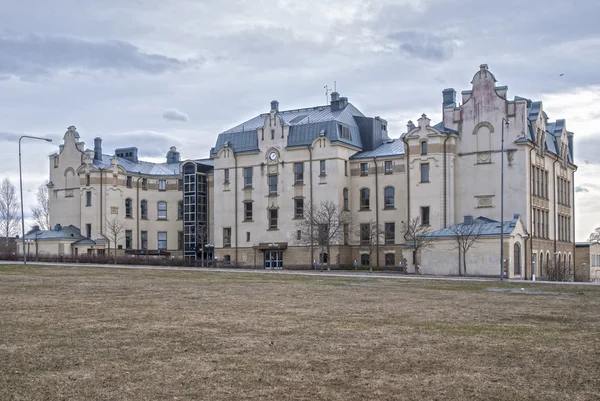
(273, 259)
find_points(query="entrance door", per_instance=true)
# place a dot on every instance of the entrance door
(273, 260)
(517, 259)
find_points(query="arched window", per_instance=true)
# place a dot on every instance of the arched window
(180, 210)
(424, 147)
(346, 200)
(388, 194)
(144, 209)
(162, 210)
(365, 199)
(128, 207)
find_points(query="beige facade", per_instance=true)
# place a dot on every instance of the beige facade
(587, 262)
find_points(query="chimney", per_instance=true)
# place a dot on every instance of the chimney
(468, 219)
(449, 98)
(173, 155)
(58, 227)
(335, 96)
(97, 148)
(274, 106)
(337, 102)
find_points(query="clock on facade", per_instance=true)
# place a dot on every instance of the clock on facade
(273, 156)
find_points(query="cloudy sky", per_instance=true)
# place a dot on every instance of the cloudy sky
(153, 74)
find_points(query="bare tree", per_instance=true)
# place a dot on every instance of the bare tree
(415, 235)
(41, 211)
(595, 236)
(9, 210)
(465, 236)
(559, 270)
(370, 234)
(203, 238)
(322, 226)
(114, 232)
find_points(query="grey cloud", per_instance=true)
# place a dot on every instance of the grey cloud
(150, 144)
(31, 56)
(581, 189)
(586, 149)
(423, 45)
(175, 115)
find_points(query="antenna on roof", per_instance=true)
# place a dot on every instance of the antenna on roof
(327, 90)
(335, 86)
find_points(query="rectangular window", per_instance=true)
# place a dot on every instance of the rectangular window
(346, 168)
(88, 198)
(424, 148)
(344, 132)
(425, 215)
(55, 161)
(88, 230)
(128, 181)
(298, 208)
(390, 259)
(248, 177)
(87, 180)
(364, 169)
(162, 210)
(365, 235)
(546, 193)
(346, 233)
(273, 219)
(162, 185)
(272, 134)
(247, 236)
(298, 173)
(128, 239)
(226, 237)
(144, 209)
(144, 239)
(425, 172)
(390, 233)
(323, 168)
(162, 239)
(180, 240)
(248, 211)
(272, 185)
(144, 184)
(226, 179)
(365, 259)
(128, 208)
(388, 167)
(298, 235)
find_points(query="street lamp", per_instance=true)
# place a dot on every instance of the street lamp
(504, 121)
(21, 187)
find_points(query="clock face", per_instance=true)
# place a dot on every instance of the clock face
(273, 156)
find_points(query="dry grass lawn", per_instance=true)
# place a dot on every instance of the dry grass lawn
(109, 334)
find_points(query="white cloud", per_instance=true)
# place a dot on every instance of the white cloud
(175, 115)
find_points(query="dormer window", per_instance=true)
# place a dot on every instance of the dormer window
(344, 132)
(423, 147)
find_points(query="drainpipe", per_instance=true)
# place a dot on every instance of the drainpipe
(531, 211)
(235, 189)
(102, 208)
(310, 169)
(376, 210)
(406, 155)
(445, 183)
(137, 208)
(554, 193)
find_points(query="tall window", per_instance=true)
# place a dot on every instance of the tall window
(247, 177)
(248, 211)
(247, 236)
(272, 185)
(425, 215)
(162, 185)
(365, 234)
(144, 209)
(424, 147)
(226, 179)
(88, 198)
(390, 259)
(128, 239)
(273, 219)
(389, 167)
(87, 180)
(180, 240)
(162, 239)
(365, 259)
(298, 173)
(180, 210)
(364, 169)
(144, 239)
(424, 172)
(144, 183)
(88, 230)
(346, 232)
(226, 237)
(128, 208)
(162, 210)
(346, 168)
(298, 208)
(346, 199)
(128, 180)
(323, 168)
(364, 199)
(388, 193)
(390, 233)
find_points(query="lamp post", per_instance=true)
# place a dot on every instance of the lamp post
(504, 121)
(21, 188)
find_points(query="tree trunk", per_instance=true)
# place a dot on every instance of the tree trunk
(465, 263)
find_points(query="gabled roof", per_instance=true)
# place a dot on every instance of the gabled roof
(393, 147)
(140, 167)
(488, 226)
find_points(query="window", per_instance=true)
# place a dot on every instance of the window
(180, 210)
(88, 230)
(365, 235)
(425, 172)
(388, 193)
(226, 179)
(144, 184)
(298, 173)
(162, 210)
(425, 215)
(323, 168)
(128, 239)
(390, 259)
(344, 132)
(128, 208)
(128, 181)
(226, 237)
(424, 147)
(388, 167)
(88, 198)
(162, 185)
(55, 161)
(390, 233)
(298, 208)
(272, 134)
(248, 211)
(365, 259)
(247, 177)
(364, 169)
(87, 180)
(323, 257)
(346, 168)
(272, 185)
(364, 199)
(346, 199)
(144, 238)
(162, 239)
(299, 235)
(273, 219)
(180, 240)
(346, 233)
(144, 209)
(247, 236)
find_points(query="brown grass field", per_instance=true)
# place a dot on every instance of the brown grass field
(117, 334)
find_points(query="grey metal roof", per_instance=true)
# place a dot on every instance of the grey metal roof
(394, 147)
(140, 167)
(442, 128)
(489, 227)
(68, 232)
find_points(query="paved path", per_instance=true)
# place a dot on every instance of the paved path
(333, 273)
